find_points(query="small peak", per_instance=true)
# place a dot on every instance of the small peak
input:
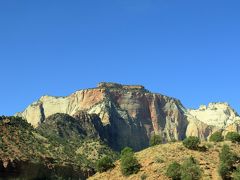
(218, 104)
(221, 105)
(214, 105)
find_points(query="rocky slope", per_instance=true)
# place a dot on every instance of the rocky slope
(131, 114)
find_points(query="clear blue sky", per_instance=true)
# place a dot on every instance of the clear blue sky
(188, 49)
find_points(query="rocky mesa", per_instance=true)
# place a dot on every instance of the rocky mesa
(130, 114)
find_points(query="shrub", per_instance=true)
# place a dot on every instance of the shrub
(190, 170)
(209, 145)
(227, 160)
(226, 156)
(174, 171)
(233, 136)
(159, 160)
(155, 140)
(144, 176)
(104, 164)
(191, 142)
(224, 171)
(129, 164)
(216, 137)
(236, 174)
(126, 150)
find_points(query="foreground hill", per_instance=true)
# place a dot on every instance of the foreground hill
(130, 115)
(155, 160)
(63, 147)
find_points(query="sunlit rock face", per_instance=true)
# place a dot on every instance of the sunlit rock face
(215, 114)
(214, 117)
(49, 105)
(130, 114)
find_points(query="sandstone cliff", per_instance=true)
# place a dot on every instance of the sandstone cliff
(208, 119)
(130, 114)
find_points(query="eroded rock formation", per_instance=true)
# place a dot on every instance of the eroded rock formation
(131, 114)
(208, 119)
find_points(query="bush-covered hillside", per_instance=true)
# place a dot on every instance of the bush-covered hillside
(156, 161)
(56, 149)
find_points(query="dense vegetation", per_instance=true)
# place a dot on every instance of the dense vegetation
(129, 163)
(104, 164)
(227, 161)
(80, 145)
(174, 171)
(155, 140)
(58, 143)
(191, 142)
(233, 136)
(189, 170)
(216, 137)
(236, 174)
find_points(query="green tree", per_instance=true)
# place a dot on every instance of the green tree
(155, 140)
(126, 150)
(226, 156)
(129, 163)
(190, 170)
(233, 136)
(104, 164)
(216, 137)
(224, 170)
(191, 142)
(174, 171)
(227, 160)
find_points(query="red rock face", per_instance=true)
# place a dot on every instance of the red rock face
(154, 109)
(85, 99)
(130, 114)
